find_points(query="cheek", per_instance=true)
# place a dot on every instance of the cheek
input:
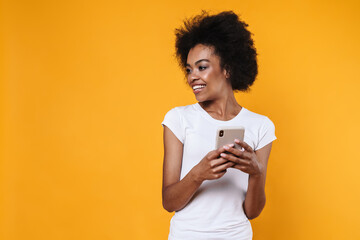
(217, 81)
(205, 75)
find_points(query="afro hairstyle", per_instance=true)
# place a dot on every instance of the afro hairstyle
(230, 39)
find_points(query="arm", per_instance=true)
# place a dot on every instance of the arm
(175, 193)
(255, 196)
(255, 164)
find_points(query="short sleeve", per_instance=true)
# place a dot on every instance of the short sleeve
(173, 121)
(266, 133)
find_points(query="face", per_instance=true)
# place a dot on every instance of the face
(204, 74)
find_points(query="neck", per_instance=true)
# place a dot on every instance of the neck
(224, 108)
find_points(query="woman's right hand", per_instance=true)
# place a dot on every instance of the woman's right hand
(212, 166)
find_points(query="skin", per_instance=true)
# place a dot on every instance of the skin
(217, 98)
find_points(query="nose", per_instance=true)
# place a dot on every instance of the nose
(193, 76)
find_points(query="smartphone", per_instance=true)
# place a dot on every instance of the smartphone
(227, 135)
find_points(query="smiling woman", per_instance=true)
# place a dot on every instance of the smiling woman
(215, 191)
(205, 75)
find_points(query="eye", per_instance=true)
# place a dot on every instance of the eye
(187, 70)
(201, 68)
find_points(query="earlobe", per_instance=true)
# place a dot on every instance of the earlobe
(227, 73)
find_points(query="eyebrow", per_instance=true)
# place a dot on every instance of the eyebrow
(188, 65)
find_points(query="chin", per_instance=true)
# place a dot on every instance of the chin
(199, 99)
(202, 99)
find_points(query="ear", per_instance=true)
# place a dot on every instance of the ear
(227, 72)
(227, 75)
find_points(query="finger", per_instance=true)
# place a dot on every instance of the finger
(216, 153)
(217, 162)
(241, 168)
(223, 167)
(243, 162)
(239, 154)
(244, 145)
(213, 154)
(220, 174)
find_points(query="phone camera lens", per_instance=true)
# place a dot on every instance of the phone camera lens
(221, 133)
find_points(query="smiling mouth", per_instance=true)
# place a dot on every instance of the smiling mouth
(196, 87)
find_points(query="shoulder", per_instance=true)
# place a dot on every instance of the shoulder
(260, 129)
(177, 118)
(186, 108)
(257, 118)
(181, 110)
(179, 114)
(253, 115)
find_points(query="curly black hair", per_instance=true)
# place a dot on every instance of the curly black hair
(231, 40)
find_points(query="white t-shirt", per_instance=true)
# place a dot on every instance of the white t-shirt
(215, 211)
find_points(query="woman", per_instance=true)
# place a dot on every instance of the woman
(215, 191)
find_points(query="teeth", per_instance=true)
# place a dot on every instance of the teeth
(198, 86)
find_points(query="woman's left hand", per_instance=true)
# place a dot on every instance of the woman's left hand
(246, 160)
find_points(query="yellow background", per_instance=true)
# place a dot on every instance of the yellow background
(86, 84)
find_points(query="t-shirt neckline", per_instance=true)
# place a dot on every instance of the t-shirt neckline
(210, 118)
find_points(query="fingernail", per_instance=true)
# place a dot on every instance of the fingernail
(226, 147)
(231, 145)
(237, 140)
(223, 154)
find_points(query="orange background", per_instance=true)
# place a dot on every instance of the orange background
(86, 84)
